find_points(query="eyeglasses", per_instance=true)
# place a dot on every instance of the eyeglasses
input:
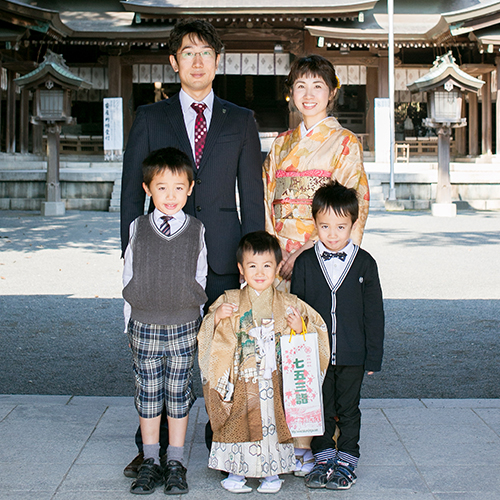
(204, 54)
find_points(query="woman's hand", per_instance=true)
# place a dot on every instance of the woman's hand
(224, 311)
(288, 261)
(294, 320)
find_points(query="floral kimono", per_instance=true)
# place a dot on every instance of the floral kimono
(242, 381)
(297, 166)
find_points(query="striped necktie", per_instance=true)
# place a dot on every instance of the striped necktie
(165, 226)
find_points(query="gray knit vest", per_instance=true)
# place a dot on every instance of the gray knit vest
(163, 289)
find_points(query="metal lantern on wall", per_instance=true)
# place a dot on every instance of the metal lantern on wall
(52, 83)
(445, 84)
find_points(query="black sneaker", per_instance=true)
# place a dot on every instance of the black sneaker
(149, 476)
(175, 478)
(318, 476)
(342, 477)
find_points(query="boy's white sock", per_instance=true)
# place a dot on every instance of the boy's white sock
(235, 477)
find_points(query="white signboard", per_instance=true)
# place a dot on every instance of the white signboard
(113, 128)
(382, 130)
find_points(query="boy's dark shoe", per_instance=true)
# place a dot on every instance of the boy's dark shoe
(318, 476)
(133, 467)
(149, 476)
(175, 478)
(342, 477)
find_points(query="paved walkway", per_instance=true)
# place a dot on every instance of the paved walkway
(74, 448)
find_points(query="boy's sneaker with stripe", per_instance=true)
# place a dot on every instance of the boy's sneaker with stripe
(342, 476)
(318, 476)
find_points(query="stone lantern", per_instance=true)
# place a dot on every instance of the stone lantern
(52, 83)
(445, 84)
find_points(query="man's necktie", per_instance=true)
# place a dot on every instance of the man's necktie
(165, 226)
(200, 131)
(338, 255)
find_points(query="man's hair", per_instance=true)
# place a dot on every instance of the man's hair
(163, 159)
(333, 195)
(312, 66)
(259, 242)
(195, 28)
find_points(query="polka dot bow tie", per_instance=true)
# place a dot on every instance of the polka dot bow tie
(200, 131)
(330, 255)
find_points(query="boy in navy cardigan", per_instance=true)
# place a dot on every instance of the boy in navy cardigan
(341, 282)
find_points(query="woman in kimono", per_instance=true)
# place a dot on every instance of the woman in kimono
(302, 160)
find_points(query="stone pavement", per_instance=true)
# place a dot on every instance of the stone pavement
(75, 448)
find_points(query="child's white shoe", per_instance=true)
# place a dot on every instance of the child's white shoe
(235, 484)
(270, 485)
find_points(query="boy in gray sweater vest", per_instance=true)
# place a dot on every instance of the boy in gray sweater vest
(164, 279)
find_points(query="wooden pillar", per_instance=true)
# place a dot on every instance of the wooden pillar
(10, 139)
(486, 148)
(460, 135)
(114, 76)
(383, 77)
(24, 122)
(371, 93)
(473, 125)
(128, 100)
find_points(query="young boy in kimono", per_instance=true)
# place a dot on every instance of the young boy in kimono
(341, 281)
(240, 365)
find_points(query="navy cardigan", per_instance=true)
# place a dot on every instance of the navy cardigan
(355, 307)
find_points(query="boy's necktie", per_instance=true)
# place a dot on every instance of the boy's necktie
(165, 226)
(338, 255)
(200, 131)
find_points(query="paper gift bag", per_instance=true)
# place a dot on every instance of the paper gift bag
(302, 394)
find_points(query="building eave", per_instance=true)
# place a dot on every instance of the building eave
(406, 27)
(199, 7)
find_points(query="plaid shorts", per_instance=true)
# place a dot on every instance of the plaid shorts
(163, 367)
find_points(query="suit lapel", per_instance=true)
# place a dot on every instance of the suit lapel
(219, 115)
(174, 114)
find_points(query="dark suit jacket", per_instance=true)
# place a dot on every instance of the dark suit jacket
(358, 307)
(231, 153)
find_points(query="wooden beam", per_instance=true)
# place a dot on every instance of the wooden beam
(473, 125)
(24, 122)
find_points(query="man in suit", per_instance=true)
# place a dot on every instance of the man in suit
(223, 143)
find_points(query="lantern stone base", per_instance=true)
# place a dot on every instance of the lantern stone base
(53, 208)
(394, 206)
(444, 210)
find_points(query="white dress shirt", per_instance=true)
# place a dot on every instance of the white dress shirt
(335, 267)
(176, 223)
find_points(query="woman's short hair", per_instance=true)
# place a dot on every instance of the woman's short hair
(313, 65)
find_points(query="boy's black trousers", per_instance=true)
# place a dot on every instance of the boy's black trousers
(341, 394)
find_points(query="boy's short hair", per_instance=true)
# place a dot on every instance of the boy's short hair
(259, 242)
(335, 196)
(195, 28)
(166, 159)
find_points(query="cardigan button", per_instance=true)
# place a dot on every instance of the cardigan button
(198, 208)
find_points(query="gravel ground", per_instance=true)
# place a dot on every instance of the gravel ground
(61, 308)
